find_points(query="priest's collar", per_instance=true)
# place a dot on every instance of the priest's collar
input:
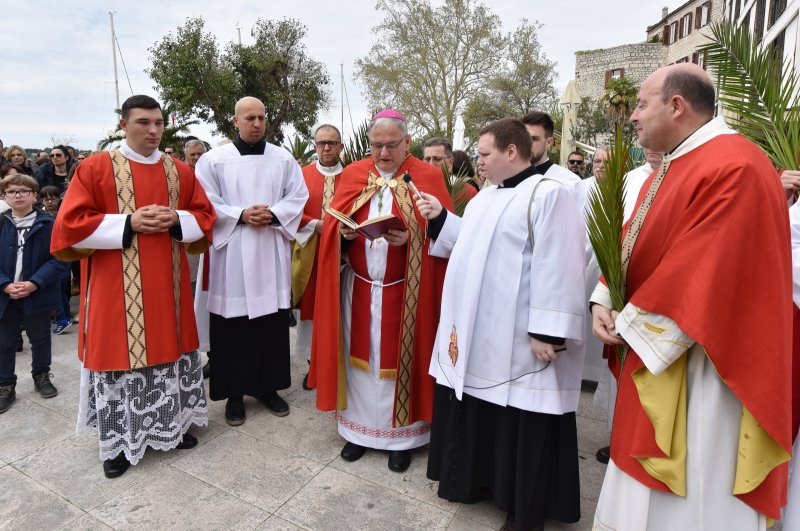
(130, 154)
(542, 168)
(512, 182)
(711, 129)
(329, 171)
(250, 149)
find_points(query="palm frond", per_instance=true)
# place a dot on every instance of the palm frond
(758, 91)
(358, 146)
(455, 188)
(605, 218)
(300, 149)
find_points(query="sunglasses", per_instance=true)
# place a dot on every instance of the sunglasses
(56, 155)
(575, 162)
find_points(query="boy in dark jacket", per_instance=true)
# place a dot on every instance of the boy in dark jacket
(29, 277)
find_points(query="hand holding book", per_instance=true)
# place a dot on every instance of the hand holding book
(372, 228)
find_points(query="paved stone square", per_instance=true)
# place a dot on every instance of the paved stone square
(269, 473)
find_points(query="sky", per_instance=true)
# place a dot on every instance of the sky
(57, 67)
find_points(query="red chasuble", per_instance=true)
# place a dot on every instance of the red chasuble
(315, 182)
(102, 336)
(714, 256)
(326, 373)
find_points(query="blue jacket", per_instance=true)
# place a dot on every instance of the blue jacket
(38, 265)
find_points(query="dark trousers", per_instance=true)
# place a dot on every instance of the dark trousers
(37, 326)
(63, 310)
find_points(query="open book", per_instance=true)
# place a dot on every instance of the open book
(371, 229)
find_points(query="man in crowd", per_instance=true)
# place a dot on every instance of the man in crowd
(599, 162)
(508, 356)
(374, 324)
(321, 179)
(258, 192)
(129, 213)
(439, 152)
(703, 423)
(576, 163)
(540, 127)
(192, 151)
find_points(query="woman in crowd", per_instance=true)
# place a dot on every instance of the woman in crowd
(54, 172)
(16, 155)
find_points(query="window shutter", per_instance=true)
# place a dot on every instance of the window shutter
(665, 38)
(688, 23)
(695, 56)
(621, 73)
(698, 16)
(608, 78)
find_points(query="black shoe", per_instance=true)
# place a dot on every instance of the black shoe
(114, 468)
(19, 344)
(352, 452)
(188, 441)
(234, 411)
(603, 454)
(7, 396)
(42, 384)
(292, 320)
(399, 460)
(305, 383)
(276, 405)
(207, 369)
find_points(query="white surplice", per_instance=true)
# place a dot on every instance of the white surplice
(367, 421)
(250, 272)
(498, 289)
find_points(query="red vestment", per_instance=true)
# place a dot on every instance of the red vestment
(326, 372)
(315, 182)
(713, 255)
(102, 337)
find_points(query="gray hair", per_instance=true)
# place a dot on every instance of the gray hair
(326, 126)
(192, 143)
(440, 141)
(400, 124)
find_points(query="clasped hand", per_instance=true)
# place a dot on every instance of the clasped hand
(153, 218)
(19, 290)
(257, 216)
(603, 326)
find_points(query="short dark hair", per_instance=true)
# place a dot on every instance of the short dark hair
(540, 118)
(697, 90)
(140, 101)
(50, 190)
(509, 131)
(7, 167)
(576, 152)
(64, 150)
(440, 141)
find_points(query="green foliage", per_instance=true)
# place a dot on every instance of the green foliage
(455, 188)
(592, 122)
(301, 149)
(605, 218)
(357, 147)
(194, 76)
(758, 90)
(428, 62)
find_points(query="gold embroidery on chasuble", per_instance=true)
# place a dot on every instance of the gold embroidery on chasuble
(131, 270)
(416, 240)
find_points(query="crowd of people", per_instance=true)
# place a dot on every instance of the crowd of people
(468, 334)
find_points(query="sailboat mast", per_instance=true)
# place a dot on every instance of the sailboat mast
(114, 54)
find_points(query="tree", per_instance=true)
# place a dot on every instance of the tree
(175, 129)
(593, 123)
(193, 76)
(523, 84)
(429, 62)
(301, 150)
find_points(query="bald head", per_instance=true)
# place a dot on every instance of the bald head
(673, 103)
(249, 118)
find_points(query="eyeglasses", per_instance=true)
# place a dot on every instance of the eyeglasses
(18, 193)
(575, 162)
(56, 155)
(322, 144)
(169, 151)
(436, 159)
(49, 199)
(379, 147)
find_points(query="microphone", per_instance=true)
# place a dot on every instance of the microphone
(407, 179)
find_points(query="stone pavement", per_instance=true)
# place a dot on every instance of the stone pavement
(269, 473)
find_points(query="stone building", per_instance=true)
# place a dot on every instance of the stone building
(773, 23)
(673, 39)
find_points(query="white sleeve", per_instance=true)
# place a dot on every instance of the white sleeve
(602, 296)
(557, 286)
(442, 246)
(108, 235)
(227, 215)
(289, 208)
(190, 229)
(794, 221)
(657, 339)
